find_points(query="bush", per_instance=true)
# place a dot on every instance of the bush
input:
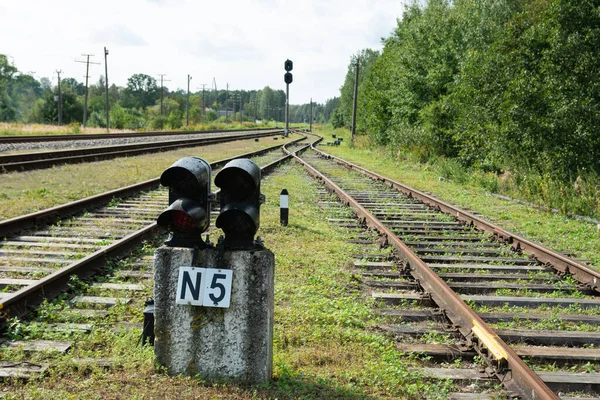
(158, 122)
(211, 115)
(452, 170)
(75, 127)
(175, 119)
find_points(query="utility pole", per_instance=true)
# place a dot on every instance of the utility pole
(241, 110)
(233, 99)
(215, 91)
(187, 106)
(58, 72)
(353, 132)
(106, 85)
(161, 91)
(254, 108)
(226, 107)
(203, 103)
(311, 116)
(268, 113)
(87, 75)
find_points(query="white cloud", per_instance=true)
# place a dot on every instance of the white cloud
(117, 35)
(243, 43)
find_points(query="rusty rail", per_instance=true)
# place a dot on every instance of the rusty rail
(509, 369)
(19, 303)
(552, 258)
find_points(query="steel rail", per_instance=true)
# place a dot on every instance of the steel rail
(44, 217)
(519, 377)
(38, 160)
(101, 136)
(19, 303)
(552, 258)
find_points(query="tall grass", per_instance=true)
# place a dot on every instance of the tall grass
(580, 197)
(17, 129)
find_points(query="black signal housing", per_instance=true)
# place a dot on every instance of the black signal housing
(240, 201)
(188, 214)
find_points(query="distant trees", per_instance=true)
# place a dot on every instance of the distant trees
(137, 106)
(141, 92)
(7, 107)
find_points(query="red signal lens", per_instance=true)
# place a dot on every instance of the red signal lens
(182, 222)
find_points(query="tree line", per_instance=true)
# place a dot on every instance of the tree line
(137, 106)
(507, 86)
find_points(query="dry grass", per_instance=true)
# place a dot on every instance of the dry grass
(26, 192)
(13, 128)
(17, 129)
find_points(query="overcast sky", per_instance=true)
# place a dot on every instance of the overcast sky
(243, 43)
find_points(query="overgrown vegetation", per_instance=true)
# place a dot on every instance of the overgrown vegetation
(470, 190)
(506, 88)
(324, 345)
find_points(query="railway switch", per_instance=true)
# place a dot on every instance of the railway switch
(240, 197)
(188, 214)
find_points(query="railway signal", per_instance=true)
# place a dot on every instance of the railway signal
(188, 214)
(240, 200)
(288, 65)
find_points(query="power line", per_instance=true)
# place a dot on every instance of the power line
(87, 75)
(203, 102)
(106, 85)
(58, 72)
(311, 115)
(187, 105)
(161, 91)
(226, 106)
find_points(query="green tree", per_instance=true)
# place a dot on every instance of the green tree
(366, 59)
(7, 71)
(141, 92)
(46, 107)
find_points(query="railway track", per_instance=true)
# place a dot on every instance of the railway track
(38, 263)
(446, 281)
(47, 159)
(101, 136)
(439, 272)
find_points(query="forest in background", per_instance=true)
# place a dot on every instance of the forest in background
(503, 91)
(25, 99)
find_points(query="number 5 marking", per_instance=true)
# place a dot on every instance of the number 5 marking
(217, 292)
(214, 284)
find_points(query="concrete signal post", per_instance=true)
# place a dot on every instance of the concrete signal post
(214, 304)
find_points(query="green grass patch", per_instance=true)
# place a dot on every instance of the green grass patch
(324, 342)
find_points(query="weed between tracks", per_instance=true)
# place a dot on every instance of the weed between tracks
(324, 346)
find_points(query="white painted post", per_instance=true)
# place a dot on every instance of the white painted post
(284, 207)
